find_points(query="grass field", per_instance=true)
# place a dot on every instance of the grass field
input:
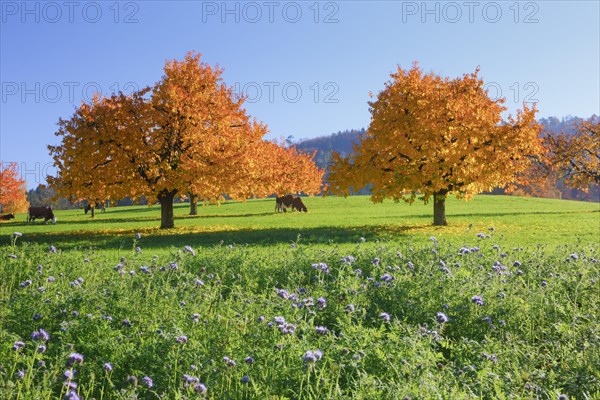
(348, 301)
(329, 220)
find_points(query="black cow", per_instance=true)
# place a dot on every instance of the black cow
(7, 217)
(41, 212)
(283, 202)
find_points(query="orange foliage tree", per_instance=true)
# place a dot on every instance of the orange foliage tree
(187, 134)
(13, 190)
(433, 136)
(576, 158)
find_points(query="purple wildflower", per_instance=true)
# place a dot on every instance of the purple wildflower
(41, 348)
(321, 266)
(181, 339)
(322, 330)
(51, 279)
(387, 278)
(313, 356)
(75, 358)
(188, 249)
(385, 316)
(441, 318)
(249, 360)
(146, 380)
(322, 302)
(287, 329)
(20, 374)
(107, 367)
(283, 293)
(26, 283)
(200, 388)
(229, 362)
(69, 374)
(245, 379)
(70, 385)
(40, 335)
(18, 345)
(477, 300)
(71, 395)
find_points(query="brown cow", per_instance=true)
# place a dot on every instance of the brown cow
(283, 202)
(298, 205)
(41, 212)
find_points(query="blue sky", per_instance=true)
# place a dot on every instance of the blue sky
(307, 66)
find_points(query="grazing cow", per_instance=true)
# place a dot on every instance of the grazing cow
(41, 212)
(298, 205)
(7, 217)
(283, 202)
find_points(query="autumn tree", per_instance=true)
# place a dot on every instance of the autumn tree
(576, 158)
(432, 136)
(13, 190)
(189, 133)
(281, 170)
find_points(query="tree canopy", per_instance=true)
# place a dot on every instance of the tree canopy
(187, 134)
(432, 136)
(13, 190)
(576, 157)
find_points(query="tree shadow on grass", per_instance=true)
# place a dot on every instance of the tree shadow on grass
(178, 239)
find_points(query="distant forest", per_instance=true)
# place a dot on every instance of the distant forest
(342, 142)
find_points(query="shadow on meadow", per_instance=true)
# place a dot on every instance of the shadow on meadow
(156, 239)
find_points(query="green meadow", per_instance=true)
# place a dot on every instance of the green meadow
(329, 220)
(351, 300)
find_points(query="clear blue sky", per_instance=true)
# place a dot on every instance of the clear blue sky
(307, 66)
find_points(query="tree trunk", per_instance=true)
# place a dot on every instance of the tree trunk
(92, 210)
(193, 204)
(439, 209)
(165, 199)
